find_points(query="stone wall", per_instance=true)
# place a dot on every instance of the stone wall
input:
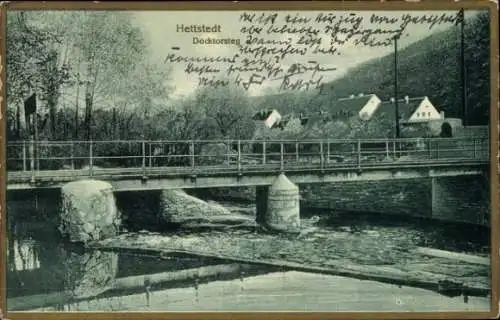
(413, 198)
(403, 197)
(462, 199)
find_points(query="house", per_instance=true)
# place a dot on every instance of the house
(361, 105)
(411, 110)
(271, 118)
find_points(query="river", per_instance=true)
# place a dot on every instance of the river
(45, 274)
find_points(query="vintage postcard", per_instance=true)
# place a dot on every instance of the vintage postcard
(297, 157)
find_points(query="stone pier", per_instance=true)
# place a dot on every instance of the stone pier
(88, 211)
(278, 206)
(464, 199)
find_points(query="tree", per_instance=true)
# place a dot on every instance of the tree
(228, 108)
(107, 56)
(477, 53)
(108, 45)
(33, 63)
(141, 96)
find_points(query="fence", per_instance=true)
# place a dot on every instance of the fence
(240, 154)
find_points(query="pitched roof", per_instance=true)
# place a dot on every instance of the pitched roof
(386, 109)
(316, 118)
(262, 114)
(355, 104)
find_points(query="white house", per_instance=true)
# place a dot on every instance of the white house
(361, 105)
(424, 110)
(411, 110)
(270, 117)
(370, 107)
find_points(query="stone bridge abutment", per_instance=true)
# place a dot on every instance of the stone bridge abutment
(462, 199)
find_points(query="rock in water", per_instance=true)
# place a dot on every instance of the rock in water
(88, 211)
(180, 208)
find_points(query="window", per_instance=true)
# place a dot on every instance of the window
(418, 114)
(428, 114)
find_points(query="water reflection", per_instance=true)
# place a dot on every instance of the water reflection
(90, 273)
(44, 274)
(23, 255)
(289, 291)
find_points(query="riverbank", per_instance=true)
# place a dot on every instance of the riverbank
(362, 254)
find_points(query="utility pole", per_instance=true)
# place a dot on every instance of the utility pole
(463, 68)
(396, 107)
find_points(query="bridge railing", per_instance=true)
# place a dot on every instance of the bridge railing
(28, 156)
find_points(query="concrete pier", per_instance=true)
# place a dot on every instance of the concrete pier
(88, 211)
(283, 207)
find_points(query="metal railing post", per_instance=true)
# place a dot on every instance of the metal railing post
(297, 152)
(91, 160)
(327, 151)
(37, 155)
(429, 150)
(32, 160)
(24, 155)
(359, 153)
(150, 155)
(191, 153)
(263, 152)
(239, 155)
(72, 155)
(282, 164)
(321, 156)
(475, 148)
(143, 156)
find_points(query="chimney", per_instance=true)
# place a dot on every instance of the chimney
(442, 115)
(407, 99)
(351, 96)
(361, 94)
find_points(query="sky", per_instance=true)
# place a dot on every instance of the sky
(160, 29)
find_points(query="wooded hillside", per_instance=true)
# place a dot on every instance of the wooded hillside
(429, 67)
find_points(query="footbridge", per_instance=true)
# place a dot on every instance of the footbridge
(141, 164)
